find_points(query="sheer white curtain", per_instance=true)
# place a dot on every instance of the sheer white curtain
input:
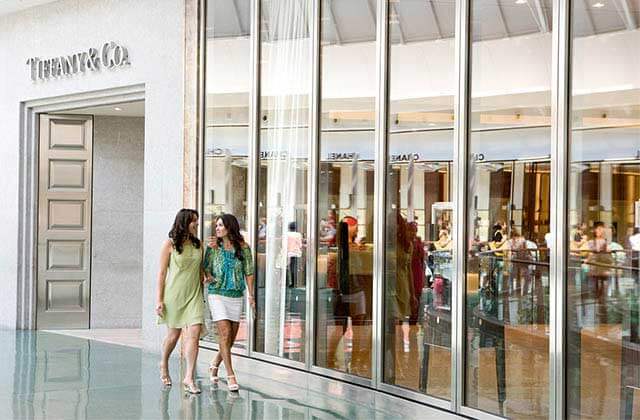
(285, 99)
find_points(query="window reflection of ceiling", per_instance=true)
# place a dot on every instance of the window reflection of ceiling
(352, 21)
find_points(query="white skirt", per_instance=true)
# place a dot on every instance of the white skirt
(223, 307)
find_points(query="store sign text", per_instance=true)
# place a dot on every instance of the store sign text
(341, 156)
(110, 55)
(404, 157)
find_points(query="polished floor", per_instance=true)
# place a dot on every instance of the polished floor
(45, 375)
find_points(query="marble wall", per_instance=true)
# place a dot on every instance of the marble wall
(117, 235)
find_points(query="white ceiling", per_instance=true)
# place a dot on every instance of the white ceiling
(130, 109)
(12, 6)
(350, 21)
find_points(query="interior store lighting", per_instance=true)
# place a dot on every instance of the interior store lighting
(521, 1)
(605, 121)
(518, 119)
(598, 5)
(352, 115)
(117, 108)
(425, 117)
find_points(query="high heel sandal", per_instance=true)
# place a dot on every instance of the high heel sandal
(191, 388)
(165, 378)
(232, 387)
(213, 374)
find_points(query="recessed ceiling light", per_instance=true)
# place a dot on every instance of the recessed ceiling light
(598, 5)
(117, 108)
(521, 1)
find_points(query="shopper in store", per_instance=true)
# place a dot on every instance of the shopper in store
(600, 262)
(228, 266)
(179, 296)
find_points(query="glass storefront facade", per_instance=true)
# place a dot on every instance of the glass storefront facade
(442, 197)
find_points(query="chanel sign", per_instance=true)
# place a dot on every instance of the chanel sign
(110, 55)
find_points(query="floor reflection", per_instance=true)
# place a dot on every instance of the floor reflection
(50, 376)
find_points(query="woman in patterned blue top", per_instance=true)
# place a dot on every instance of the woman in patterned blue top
(228, 265)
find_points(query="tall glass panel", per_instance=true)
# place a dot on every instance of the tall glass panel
(282, 180)
(603, 229)
(419, 275)
(227, 122)
(345, 193)
(508, 214)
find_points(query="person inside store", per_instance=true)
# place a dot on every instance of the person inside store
(444, 242)
(599, 260)
(294, 253)
(518, 256)
(228, 266)
(179, 302)
(328, 229)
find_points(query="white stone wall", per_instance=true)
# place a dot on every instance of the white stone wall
(153, 32)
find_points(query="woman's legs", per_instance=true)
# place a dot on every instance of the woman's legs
(191, 338)
(225, 333)
(168, 344)
(235, 326)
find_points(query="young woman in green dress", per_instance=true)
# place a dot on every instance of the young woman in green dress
(179, 296)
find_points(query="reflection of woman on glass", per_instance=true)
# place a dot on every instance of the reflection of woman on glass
(404, 282)
(417, 268)
(228, 265)
(179, 300)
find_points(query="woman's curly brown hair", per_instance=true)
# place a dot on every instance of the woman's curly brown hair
(179, 233)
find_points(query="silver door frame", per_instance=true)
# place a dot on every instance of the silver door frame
(26, 298)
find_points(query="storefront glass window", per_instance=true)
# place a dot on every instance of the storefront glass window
(508, 215)
(419, 274)
(603, 221)
(345, 190)
(282, 179)
(227, 124)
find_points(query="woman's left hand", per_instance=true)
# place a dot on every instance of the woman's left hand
(252, 302)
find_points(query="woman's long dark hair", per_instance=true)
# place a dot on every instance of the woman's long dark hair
(179, 233)
(233, 232)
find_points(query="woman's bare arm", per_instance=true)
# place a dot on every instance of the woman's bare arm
(165, 255)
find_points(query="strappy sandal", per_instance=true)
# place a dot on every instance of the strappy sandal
(232, 387)
(191, 388)
(164, 377)
(213, 374)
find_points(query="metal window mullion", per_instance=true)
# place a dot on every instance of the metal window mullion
(560, 95)
(312, 190)
(461, 134)
(382, 101)
(253, 170)
(202, 106)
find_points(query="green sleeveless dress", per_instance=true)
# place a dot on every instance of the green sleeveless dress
(183, 300)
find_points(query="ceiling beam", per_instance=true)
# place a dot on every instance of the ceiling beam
(236, 15)
(372, 14)
(590, 23)
(625, 13)
(334, 22)
(436, 19)
(539, 15)
(399, 19)
(503, 23)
